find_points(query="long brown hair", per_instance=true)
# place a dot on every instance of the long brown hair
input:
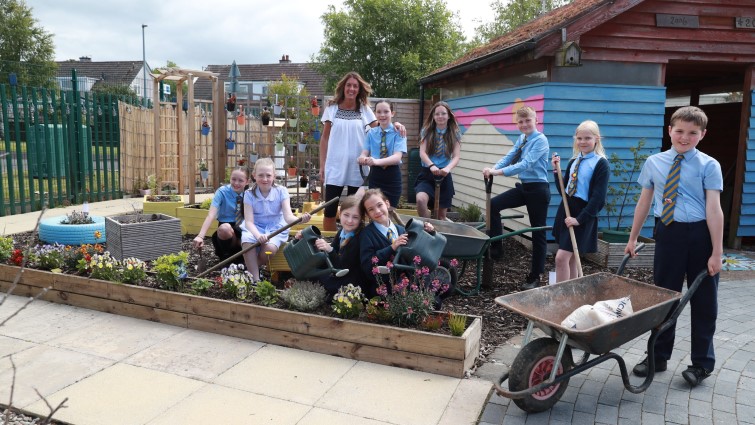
(365, 90)
(451, 137)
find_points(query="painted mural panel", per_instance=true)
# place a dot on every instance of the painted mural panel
(747, 212)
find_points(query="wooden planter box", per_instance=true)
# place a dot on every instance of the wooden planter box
(610, 254)
(192, 217)
(167, 208)
(387, 345)
(146, 240)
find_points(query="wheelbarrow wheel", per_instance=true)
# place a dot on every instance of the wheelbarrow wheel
(446, 275)
(532, 366)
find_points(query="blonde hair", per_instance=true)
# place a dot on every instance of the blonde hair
(451, 137)
(262, 162)
(592, 128)
(526, 111)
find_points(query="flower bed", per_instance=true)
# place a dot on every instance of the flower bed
(412, 349)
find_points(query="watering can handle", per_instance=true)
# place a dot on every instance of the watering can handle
(488, 184)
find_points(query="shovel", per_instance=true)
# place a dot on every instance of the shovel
(487, 265)
(568, 214)
(256, 244)
(436, 205)
(201, 261)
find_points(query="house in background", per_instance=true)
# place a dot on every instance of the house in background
(89, 74)
(254, 79)
(627, 64)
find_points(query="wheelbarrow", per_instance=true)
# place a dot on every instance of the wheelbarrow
(535, 384)
(467, 243)
(306, 261)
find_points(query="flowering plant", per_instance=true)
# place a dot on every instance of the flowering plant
(170, 270)
(85, 251)
(348, 301)
(236, 281)
(103, 266)
(314, 102)
(6, 247)
(134, 270)
(77, 217)
(410, 301)
(48, 257)
(17, 257)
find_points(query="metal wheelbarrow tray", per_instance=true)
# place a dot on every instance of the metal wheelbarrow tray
(547, 306)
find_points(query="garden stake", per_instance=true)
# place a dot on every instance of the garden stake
(568, 214)
(487, 265)
(256, 244)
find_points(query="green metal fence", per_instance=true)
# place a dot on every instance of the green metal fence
(60, 147)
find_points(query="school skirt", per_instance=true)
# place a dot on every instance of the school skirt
(388, 180)
(426, 183)
(586, 234)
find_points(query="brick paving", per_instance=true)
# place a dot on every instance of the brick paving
(597, 396)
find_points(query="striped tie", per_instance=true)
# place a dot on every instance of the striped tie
(573, 181)
(391, 237)
(518, 154)
(671, 190)
(440, 145)
(239, 211)
(383, 145)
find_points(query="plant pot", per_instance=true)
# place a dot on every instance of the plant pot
(205, 130)
(204, 174)
(292, 171)
(292, 122)
(316, 135)
(128, 238)
(253, 157)
(52, 231)
(315, 196)
(230, 145)
(145, 192)
(192, 218)
(241, 119)
(265, 120)
(185, 105)
(316, 111)
(277, 109)
(615, 236)
(302, 147)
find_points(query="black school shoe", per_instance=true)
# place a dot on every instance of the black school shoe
(531, 283)
(641, 369)
(694, 375)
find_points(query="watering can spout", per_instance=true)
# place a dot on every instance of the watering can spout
(341, 272)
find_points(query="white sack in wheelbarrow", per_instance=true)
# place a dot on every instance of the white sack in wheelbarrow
(600, 313)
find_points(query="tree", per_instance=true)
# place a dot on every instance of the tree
(26, 49)
(173, 86)
(391, 43)
(510, 14)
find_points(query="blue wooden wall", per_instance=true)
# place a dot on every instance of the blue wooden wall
(747, 212)
(625, 115)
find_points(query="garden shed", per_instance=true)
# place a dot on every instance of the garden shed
(627, 64)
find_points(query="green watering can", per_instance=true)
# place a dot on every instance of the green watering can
(306, 261)
(429, 247)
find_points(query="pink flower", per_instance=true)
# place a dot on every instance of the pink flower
(425, 270)
(417, 260)
(409, 311)
(382, 290)
(425, 302)
(374, 260)
(415, 288)
(389, 264)
(375, 271)
(454, 262)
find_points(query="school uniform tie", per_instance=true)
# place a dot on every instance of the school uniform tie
(383, 145)
(573, 181)
(440, 145)
(518, 154)
(671, 190)
(390, 235)
(240, 211)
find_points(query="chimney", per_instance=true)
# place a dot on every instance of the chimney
(284, 59)
(85, 59)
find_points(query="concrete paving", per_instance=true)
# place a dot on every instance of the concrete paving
(597, 396)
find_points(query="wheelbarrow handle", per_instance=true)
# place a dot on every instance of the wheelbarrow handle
(519, 232)
(365, 178)
(683, 301)
(638, 248)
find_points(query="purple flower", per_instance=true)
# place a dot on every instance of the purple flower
(417, 260)
(374, 260)
(375, 271)
(454, 262)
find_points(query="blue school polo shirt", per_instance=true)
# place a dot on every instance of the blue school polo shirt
(533, 166)
(225, 201)
(393, 141)
(699, 172)
(585, 172)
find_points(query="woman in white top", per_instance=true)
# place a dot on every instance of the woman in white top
(345, 121)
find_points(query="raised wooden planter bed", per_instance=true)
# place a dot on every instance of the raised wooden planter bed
(192, 217)
(144, 240)
(610, 254)
(411, 349)
(167, 208)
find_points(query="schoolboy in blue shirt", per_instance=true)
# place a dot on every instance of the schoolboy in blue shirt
(686, 186)
(529, 159)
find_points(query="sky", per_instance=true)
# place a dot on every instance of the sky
(197, 33)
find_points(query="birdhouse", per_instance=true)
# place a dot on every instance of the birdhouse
(570, 54)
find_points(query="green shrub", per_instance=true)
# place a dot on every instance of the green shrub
(304, 295)
(77, 217)
(266, 292)
(170, 270)
(205, 205)
(201, 285)
(469, 213)
(6, 247)
(457, 323)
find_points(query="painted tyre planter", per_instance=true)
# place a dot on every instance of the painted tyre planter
(382, 344)
(51, 231)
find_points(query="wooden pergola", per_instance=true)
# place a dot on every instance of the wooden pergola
(180, 75)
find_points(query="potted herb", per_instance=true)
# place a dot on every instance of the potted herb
(293, 118)
(277, 108)
(315, 107)
(253, 156)
(292, 166)
(205, 128)
(623, 196)
(315, 194)
(149, 185)
(265, 116)
(204, 172)
(302, 145)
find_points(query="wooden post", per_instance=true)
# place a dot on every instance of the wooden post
(192, 131)
(179, 124)
(219, 122)
(156, 106)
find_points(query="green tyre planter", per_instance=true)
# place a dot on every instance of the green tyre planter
(51, 231)
(615, 236)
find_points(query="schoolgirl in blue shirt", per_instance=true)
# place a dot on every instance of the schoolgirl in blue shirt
(227, 207)
(439, 152)
(383, 149)
(685, 185)
(586, 184)
(529, 159)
